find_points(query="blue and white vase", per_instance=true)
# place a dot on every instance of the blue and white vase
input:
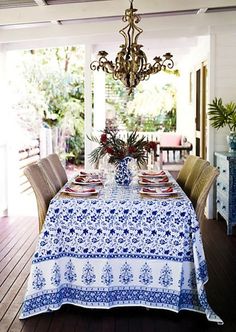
(231, 140)
(123, 175)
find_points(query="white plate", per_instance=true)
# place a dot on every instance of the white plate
(158, 193)
(79, 193)
(88, 183)
(155, 183)
(84, 174)
(151, 175)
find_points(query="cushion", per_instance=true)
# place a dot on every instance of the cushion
(170, 139)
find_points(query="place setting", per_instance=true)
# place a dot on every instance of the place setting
(80, 192)
(87, 179)
(158, 192)
(152, 174)
(156, 182)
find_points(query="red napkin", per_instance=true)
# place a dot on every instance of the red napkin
(70, 190)
(79, 179)
(87, 180)
(165, 179)
(148, 190)
(154, 173)
(87, 190)
(168, 190)
(147, 180)
(94, 181)
(83, 173)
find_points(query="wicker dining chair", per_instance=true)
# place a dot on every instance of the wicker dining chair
(58, 168)
(201, 189)
(50, 174)
(195, 172)
(42, 190)
(185, 170)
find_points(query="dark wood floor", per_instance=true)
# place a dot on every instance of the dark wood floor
(18, 237)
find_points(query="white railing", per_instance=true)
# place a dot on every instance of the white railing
(150, 136)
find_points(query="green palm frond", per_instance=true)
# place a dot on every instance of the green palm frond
(222, 115)
(96, 154)
(93, 138)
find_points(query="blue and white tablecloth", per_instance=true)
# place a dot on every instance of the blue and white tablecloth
(119, 249)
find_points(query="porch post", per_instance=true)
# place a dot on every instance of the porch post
(87, 105)
(3, 138)
(99, 101)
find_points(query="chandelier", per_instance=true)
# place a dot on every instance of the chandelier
(131, 65)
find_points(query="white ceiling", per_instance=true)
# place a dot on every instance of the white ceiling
(170, 25)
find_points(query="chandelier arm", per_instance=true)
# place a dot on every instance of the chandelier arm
(169, 64)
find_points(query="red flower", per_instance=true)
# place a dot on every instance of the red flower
(109, 150)
(132, 149)
(152, 145)
(121, 155)
(103, 138)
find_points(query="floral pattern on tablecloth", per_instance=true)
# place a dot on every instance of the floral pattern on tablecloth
(119, 249)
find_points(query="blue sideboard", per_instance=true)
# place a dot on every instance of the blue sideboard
(226, 188)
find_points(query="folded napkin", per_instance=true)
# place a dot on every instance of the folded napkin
(79, 179)
(149, 190)
(148, 181)
(168, 190)
(94, 181)
(155, 191)
(82, 173)
(154, 173)
(70, 190)
(165, 179)
(87, 190)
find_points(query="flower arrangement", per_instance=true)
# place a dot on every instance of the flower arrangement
(117, 149)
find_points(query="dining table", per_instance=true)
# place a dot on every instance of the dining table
(119, 246)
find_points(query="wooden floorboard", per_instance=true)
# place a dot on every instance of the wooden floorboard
(18, 239)
(15, 280)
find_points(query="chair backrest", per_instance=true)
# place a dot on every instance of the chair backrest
(195, 172)
(201, 189)
(186, 169)
(50, 174)
(42, 189)
(58, 168)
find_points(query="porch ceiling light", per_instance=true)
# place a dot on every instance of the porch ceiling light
(131, 65)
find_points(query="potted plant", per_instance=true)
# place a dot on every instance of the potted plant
(224, 115)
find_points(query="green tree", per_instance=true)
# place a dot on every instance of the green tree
(54, 84)
(149, 108)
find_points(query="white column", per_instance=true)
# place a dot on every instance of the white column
(4, 132)
(99, 101)
(88, 105)
(211, 201)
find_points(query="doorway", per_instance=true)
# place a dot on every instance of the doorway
(200, 111)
